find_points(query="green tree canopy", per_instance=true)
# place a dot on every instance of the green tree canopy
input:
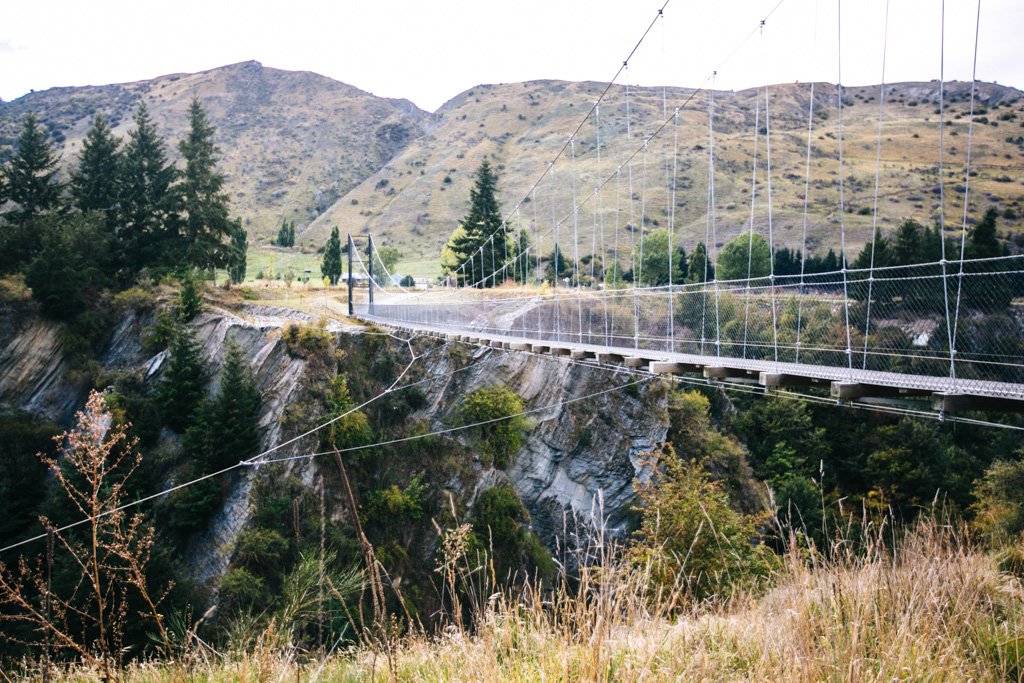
(484, 236)
(700, 268)
(746, 256)
(149, 201)
(207, 224)
(654, 266)
(30, 181)
(330, 267)
(183, 387)
(96, 183)
(239, 253)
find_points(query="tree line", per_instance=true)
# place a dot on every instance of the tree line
(124, 210)
(483, 251)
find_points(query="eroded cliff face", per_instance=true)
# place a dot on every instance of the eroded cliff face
(578, 461)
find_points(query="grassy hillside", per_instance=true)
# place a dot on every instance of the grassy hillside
(417, 198)
(293, 142)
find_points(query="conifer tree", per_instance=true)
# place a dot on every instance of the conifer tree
(30, 181)
(234, 414)
(184, 383)
(331, 265)
(239, 251)
(207, 227)
(149, 203)
(484, 235)
(95, 184)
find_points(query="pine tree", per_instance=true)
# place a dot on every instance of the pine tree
(485, 236)
(95, 184)
(239, 251)
(149, 202)
(207, 225)
(183, 387)
(331, 265)
(70, 263)
(235, 412)
(30, 181)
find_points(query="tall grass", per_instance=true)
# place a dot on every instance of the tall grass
(883, 604)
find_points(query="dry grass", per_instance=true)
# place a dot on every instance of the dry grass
(925, 607)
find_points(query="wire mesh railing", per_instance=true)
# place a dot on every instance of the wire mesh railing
(963, 322)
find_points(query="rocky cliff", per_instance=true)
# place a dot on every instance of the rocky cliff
(578, 459)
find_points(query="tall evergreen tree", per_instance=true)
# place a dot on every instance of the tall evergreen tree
(30, 181)
(207, 224)
(149, 203)
(226, 431)
(484, 237)
(184, 383)
(70, 263)
(700, 268)
(96, 183)
(331, 265)
(239, 253)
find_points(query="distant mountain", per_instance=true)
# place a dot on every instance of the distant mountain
(293, 142)
(307, 148)
(417, 198)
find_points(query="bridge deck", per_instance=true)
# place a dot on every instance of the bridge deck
(947, 394)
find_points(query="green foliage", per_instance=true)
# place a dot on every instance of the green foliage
(261, 550)
(502, 523)
(653, 269)
(746, 256)
(344, 432)
(305, 340)
(331, 265)
(558, 267)
(183, 386)
(500, 438)
(70, 265)
(190, 298)
(96, 182)
(207, 227)
(483, 235)
(770, 424)
(999, 506)
(690, 539)
(30, 183)
(700, 267)
(150, 201)
(225, 429)
(239, 589)
(387, 256)
(286, 234)
(238, 256)
(23, 475)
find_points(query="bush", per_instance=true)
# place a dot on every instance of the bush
(502, 434)
(690, 541)
(305, 340)
(999, 508)
(135, 299)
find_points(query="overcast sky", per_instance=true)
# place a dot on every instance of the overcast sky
(430, 50)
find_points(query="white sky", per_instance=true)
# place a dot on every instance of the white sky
(430, 50)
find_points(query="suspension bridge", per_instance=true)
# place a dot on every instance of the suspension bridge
(946, 331)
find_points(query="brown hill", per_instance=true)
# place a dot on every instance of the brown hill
(417, 198)
(293, 142)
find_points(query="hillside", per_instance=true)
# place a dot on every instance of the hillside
(304, 147)
(293, 142)
(417, 198)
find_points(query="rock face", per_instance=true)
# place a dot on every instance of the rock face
(577, 462)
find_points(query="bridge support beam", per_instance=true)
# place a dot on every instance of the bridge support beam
(582, 354)
(672, 368)
(609, 358)
(781, 379)
(958, 403)
(519, 346)
(539, 348)
(851, 391)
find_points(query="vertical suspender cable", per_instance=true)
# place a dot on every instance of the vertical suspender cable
(967, 189)
(874, 212)
(842, 196)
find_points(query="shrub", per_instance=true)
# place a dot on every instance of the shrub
(135, 299)
(502, 434)
(999, 507)
(305, 340)
(690, 541)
